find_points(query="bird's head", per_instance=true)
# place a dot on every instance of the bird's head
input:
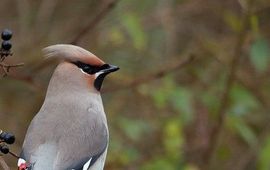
(78, 64)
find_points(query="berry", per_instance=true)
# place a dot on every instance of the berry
(8, 138)
(6, 34)
(6, 45)
(4, 149)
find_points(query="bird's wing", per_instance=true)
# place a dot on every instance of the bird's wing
(32, 140)
(76, 149)
(82, 140)
(85, 150)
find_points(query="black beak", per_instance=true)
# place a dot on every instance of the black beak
(104, 70)
(109, 69)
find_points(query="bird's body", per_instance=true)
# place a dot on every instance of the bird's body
(70, 131)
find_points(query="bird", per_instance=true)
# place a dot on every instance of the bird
(70, 131)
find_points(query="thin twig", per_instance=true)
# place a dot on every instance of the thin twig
(14, 155)
(6, 67)
(224, 104)
(153, 76)
(92, 24)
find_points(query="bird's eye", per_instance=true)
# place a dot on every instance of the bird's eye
(87, 68)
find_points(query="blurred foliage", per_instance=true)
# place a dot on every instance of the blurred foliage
(259, 54)
(166, 123)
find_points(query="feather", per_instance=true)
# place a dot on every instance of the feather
(71, 53)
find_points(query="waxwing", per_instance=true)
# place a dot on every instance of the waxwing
(70, 131)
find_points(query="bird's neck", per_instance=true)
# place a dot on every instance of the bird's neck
(63, 83)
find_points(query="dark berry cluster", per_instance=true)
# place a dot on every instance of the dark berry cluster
(6, 45)
(6, 138)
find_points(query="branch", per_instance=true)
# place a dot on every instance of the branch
(6, 67)
(92, 24)
(153, 76)
(215, 134)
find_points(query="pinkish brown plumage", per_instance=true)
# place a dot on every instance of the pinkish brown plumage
(70, 131)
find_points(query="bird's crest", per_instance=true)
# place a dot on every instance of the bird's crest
(71, 53)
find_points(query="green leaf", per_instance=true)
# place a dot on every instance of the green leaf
(264, 156)
(173, 138)
(158, 164)
(254, 22)
(181, 100)
(162, 95)
(243, 101)
(129, 155)
(160, 98)
(246, 132)
(233, 21)
(224, 152)
(133, 26)
(209, 99)
(238, 125)
(259, 54)
(191, 167)
(116, 36)
(133, 129)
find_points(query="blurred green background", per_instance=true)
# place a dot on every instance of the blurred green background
(158, 120)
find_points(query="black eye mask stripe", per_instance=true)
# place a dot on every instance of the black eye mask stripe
(90, 69)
